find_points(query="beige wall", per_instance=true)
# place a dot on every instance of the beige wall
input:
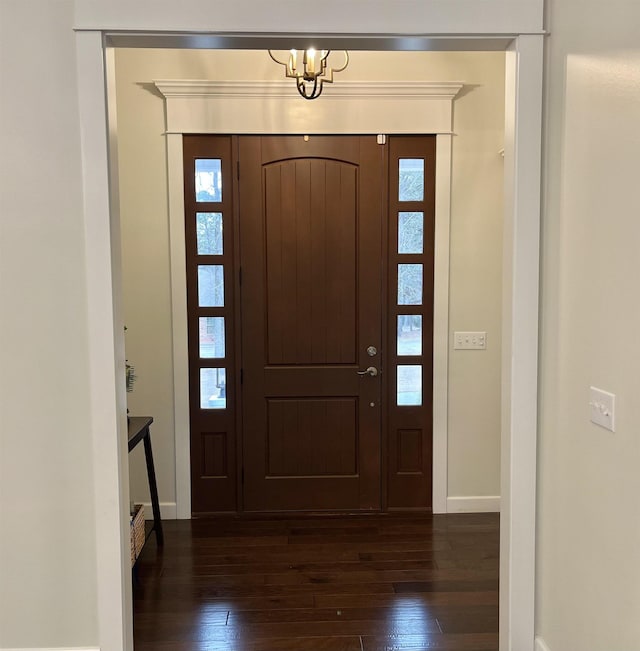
(48, 592)
(588, 594)
(474, 408)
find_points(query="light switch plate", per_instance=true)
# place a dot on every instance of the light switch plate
(469, 340)
(602, 406)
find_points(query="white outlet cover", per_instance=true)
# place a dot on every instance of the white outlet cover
(602, 407)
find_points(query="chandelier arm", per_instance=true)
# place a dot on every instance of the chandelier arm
(276, 60)
(302, 88)
(346, 62)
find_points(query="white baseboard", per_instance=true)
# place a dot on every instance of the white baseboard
(540, 645)
(474, 504)
(168, 511)
(59, 648)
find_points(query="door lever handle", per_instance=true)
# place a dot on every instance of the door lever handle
(372, 371)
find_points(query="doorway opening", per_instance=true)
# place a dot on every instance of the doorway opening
(522, 157)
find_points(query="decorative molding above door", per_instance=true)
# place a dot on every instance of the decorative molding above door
(274, 107)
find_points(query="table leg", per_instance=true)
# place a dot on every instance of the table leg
(153, 489)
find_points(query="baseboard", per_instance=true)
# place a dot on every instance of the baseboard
(58, 648)
(168, 511)
(474, 504)
(466, 504)
(541, 645)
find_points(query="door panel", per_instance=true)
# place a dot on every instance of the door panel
(311, 242)
(310, 249)
(308, 437)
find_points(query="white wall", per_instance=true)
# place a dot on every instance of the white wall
(588, 595)
(47, 539)
(474, 408)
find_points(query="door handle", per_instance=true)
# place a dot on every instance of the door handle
(372, 371)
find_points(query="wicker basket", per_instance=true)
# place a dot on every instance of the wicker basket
(137, 532)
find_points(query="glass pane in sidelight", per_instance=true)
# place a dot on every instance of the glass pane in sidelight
(209, 233)
(409, 334)
(208, 179)
(409, 386)
(211, 336)
(409, 284)
(410, 232)
(213, 388)
(210, 285)
(411, 179)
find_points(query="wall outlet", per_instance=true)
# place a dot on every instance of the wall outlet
(469, 340)
(602, 406)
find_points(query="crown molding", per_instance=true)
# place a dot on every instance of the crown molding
(343, 89)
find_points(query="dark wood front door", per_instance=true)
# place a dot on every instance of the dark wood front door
(311, 211)
(301, 252)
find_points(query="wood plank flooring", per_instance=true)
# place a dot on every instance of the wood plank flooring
(352, 583)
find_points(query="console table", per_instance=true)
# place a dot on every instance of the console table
(139, 431)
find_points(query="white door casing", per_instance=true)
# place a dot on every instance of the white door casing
(199, 106)
(520, 22)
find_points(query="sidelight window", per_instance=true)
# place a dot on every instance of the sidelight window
(213, 387)
(409, 385)
(409, 337)
(211, 337)
(208, 179)
(411, 179)
(411, 212)
(209, 233)
(410, 232)
(208, 212)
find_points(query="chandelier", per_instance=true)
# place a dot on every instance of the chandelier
(309, 69)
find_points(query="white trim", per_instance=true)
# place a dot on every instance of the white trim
(346, 89)
(474, 504)
(355, 19)
(520, 313)
(57, 648)
(168, 510)
(193, 97)
(182, 438)
(106, 343)
(521, 253)
(444, 144)
(541, 645)
(200, 106)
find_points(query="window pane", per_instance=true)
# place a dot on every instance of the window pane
(213, 388)
(411, 179)
(208, 179)
(409, 388)
(409, 334)
(211, 335)
(210, 285)
(209, 233)
(410, 232)
(409, 284)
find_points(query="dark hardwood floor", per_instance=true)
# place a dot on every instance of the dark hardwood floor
(356, 583)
